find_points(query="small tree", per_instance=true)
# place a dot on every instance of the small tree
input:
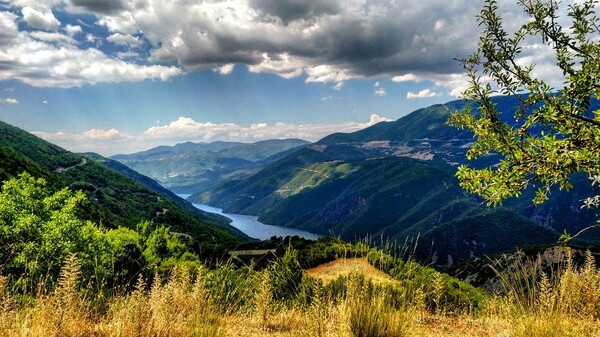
(556, 134)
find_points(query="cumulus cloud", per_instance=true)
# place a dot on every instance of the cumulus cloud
(38, 61)
(52, 37)
(225, 69)
(185, 128)
(37, 4)
(281, 64)
(9, 100)
(94, 140)
(112, 141)
(73, 30)
(328, 41)
(406, 78)
(426, 93)
(380, 92)
(53, 59)
(453, 84)
(8, 28)
(99, 6)
(293, 10)
(40, 20)
(124, 40)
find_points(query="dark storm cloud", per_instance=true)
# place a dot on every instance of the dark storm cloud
(100, 6)
(328, 40)
(292, 10)
(365, 38)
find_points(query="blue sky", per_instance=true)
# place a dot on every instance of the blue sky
(118, 76)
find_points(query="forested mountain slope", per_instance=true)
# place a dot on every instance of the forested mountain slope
(116, 200)
(189, 167)
(396, 180)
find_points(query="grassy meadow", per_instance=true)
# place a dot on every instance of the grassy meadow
(352, 296)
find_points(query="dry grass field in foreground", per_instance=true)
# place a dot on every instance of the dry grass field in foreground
(190, 306)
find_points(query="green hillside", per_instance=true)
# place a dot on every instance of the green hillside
(189, 167)
(116, 200)
(155, 187)
(396, 180)
(394, 198)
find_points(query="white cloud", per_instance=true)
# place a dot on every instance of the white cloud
(282, 64)
(338, 86)
(455, 83)
(73, 30)
(376, 84)
(326, 98)
(9, 30)
(95, 140)
(375, 118)
(225, 69)
(426, 93)
(52, 37)
(127, 54)
(44, 63)
(380, 92)
(40, 20)
(406, 78)
(185, 129)
(45, 102)
(327, 73)
(112, 141)
(329, 41)
(103, 134)
(125, 40)
(9, 101)
(37, 4)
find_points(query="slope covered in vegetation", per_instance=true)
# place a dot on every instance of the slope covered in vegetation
(114, 199)
(189, 167)
(396, 180)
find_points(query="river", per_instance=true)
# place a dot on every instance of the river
(253, 228)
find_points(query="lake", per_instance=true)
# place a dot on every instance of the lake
(253, 228)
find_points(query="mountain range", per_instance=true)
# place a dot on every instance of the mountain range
(190, 167)
(395, 180)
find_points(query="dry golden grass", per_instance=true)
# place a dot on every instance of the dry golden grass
(183, 306)
(344, 267)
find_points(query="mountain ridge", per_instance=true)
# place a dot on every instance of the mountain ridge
(354, 184)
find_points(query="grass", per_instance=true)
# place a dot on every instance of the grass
(344, 267)
(347, 297)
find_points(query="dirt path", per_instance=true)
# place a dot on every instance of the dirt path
(61, 169)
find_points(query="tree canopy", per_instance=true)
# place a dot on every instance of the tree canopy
(556, 130)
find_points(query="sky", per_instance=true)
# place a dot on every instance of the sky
(120, 76)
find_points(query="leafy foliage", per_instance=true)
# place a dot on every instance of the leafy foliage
(114, 200)
(558, 131)
(40, 228)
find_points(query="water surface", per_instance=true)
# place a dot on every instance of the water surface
(253, 228)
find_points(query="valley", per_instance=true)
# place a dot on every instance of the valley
(393, 181)
(283, 168)
(253, 228)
